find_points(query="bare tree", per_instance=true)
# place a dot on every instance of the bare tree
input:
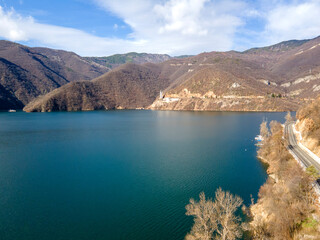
(287, 199)
(264, 131)
(215, 220)
(226, 205)
(205, 223)
(289, 117)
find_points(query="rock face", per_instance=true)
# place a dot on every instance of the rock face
(250, 104)
(309, 125)
(26, 73)
(275, 78)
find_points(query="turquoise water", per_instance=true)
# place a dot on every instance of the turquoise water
(120, 174)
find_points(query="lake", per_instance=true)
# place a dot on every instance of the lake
(120, 174)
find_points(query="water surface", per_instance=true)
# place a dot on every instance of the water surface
(120, 174)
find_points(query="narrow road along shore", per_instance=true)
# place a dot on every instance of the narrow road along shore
(303, 156)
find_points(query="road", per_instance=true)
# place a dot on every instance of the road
(300, 153)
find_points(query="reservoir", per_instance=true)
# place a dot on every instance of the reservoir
(109, 175)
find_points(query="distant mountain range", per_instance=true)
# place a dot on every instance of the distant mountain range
(274, 78)
(120, 59)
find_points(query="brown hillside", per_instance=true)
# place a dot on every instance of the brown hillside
(130, 86)
(29, 72)
(274, 78)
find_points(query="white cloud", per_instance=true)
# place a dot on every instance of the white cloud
(293, 21)
(182, 16)
(179, 26)
(14, 27)
(175, 26)
(9, 28)
(170, 26)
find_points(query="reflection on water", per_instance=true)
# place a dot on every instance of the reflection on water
(120, 174)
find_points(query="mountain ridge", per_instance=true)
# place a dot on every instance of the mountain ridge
(263, 80)
(116, 60)
(274, 78)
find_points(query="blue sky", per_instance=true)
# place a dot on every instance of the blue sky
(175, 27)
(79, 14)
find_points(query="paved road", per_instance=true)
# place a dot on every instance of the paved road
(302, 154)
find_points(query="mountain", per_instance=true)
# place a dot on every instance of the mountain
(133, 57)
(275, 78)
(279, 47)
(26, 73)
(130, 86)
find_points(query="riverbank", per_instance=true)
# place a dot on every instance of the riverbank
(286, 206)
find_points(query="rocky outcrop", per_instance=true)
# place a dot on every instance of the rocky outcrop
(212, 102)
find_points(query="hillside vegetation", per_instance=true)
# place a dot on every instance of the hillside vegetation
(129, 87)
(26, 73)
(287, 207)
(309, 125)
